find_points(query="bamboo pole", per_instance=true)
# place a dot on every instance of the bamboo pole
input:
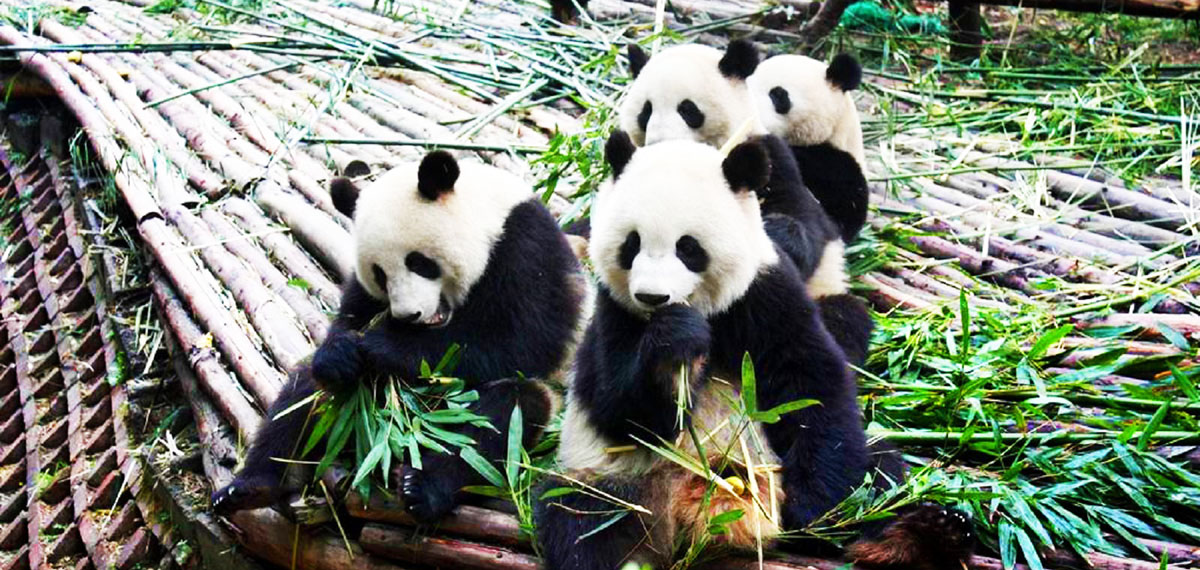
(274, 321)
(283, 249)
(327, 240)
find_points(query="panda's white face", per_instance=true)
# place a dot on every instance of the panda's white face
(797, 102)
(421, 255)
(682, 94)
(670, 230)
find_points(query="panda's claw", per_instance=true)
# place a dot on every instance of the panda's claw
(243, 494)
(424, 500)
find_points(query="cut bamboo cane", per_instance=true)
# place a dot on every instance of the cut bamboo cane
(240, 351)
(152, 123)
(326, 239)
(273, 320)
(283, 249)
(315, 321)
(202, 358)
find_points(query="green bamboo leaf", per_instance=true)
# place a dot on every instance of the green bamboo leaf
(1184, 382)
(1008, 539)
(558, 492)
(414, 453)
(727, 517)
(964, 310)
(603, 525)
(378, 449)
(482, 466)
(516, 426)
(749, 385)
(772, 415)
(310, 399)
(449, 360)
(488, 491)
(1048, 340)
(1032, 558)
(1173, 336)
(319, 430)
(1155, 422)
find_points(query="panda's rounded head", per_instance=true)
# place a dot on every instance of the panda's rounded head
(423, 233)
(680, 223)
(805, 101)
(692, 92)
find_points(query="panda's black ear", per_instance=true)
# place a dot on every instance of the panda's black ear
(437, 174)
(344, 194)
(618, 151)
(844, 72)
(637, 59)
(748, 166)
(740, 59)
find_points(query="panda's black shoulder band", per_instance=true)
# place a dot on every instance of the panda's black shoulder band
(437, 174)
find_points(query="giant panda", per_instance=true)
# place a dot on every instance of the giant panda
(689, 283)
(697, 92)
(808, 104)
(452, 254)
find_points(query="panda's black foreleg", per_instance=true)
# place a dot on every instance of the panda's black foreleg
(846, 318)
(627, 368)
(429, 493)
(569, 526)
(338, 363)
(262, 480)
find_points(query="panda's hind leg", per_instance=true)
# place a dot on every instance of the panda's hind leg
(577, 531)
(263, 478)
(923, 537)
(430, 492)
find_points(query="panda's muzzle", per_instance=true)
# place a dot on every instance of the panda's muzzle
(437, 319)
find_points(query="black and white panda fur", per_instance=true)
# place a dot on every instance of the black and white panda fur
(697, 92)
(807, 103)
(690, 280)
(454, 254)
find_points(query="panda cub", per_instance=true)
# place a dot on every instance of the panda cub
(808, 104)
(452, 254)
(696, 92)
(689, 283)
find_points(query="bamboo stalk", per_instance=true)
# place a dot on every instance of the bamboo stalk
(239, 349)
(271, 318)
(954, 438)
(233, 403)
(283, 250)
(242, 245)
(327, 240)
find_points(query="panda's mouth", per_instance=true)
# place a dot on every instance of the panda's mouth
(441, 317)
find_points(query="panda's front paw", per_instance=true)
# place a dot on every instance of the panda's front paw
(679, 331)
(245, 493)
(338, 363)
(424, 498)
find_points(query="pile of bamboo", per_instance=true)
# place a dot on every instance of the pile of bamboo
(217, 151)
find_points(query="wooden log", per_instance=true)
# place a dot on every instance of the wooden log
(271, 536)
(130, 180)
(466, 520)
(285, 251)
(234, 405)
(315, 321)
(274, 321)
(408, 546)
(240, 350)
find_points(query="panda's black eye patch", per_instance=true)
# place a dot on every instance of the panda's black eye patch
(423, 266)
(380, 276)
(644, 116)
(629, 250)
(691, 114)
(780, 99)
(692, 254)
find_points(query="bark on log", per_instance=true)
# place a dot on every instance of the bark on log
(217, 382)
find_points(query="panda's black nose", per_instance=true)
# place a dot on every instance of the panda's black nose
(651, 299)
(411, 317)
